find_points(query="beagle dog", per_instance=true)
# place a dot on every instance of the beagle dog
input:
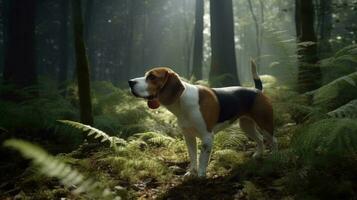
(202, 111)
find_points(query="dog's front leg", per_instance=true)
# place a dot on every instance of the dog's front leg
(192, 152)
(206, 149)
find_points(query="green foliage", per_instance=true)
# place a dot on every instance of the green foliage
(282, 58)
(343, 62)
(136, 161)
(34, 114)
(348, 53)
(230, 138)
(96, 133)
(35, 117)
(54, 167)
(224, 161)
(328, 137)
(134, 169)
(348, 110)
(336, 93)
(155, 139)
(252, 191)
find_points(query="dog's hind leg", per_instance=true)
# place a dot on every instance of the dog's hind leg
(271, 140)
(249, 128)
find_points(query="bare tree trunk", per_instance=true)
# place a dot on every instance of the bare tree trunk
(20, 61)
(82, 65)
(188, 37)
(64, 47)
(309, 74)
(257, 29)
(325, 27)
(223, 63)
(198, 45)
(89, 12)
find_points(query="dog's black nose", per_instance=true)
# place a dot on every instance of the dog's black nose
(131, 83)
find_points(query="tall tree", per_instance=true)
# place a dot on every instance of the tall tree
(82, 66)
(223, 62)
(198, 44)
(188, 37)
(324, 28)
(309, 74)
(88, 22)
(258, 28)
(63, 44)
(20, 63)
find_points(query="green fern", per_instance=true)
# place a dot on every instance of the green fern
(53, 167)
(98, 134)
(228, 157)
(348, 53)
(328, 137)
(230, 138)
(154, 138)
(348, 110)
(3, 130)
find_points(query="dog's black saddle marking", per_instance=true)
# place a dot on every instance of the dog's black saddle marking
(234, 101)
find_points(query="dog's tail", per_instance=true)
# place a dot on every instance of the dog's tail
(257, 82)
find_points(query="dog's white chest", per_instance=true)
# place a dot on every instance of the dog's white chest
(187, 110)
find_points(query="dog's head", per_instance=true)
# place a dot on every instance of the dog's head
(159, 85)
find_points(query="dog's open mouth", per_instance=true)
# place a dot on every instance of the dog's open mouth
(153, 103)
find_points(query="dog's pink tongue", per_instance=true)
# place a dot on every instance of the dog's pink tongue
(153, 104)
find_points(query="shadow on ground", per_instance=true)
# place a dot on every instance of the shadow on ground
(212, 188)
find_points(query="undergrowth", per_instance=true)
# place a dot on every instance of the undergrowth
(142, 153)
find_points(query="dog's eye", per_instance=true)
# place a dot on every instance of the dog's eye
(151, 77)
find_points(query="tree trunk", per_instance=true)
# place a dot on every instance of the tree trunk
(223, 63)
(309, 74)
(63, 57)
(89, 12)
(325, 28)
(82, 65)
(257, 30)
(20, 61)
(129, 34)
(198, 45)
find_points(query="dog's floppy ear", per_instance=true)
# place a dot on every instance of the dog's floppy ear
(172, 89)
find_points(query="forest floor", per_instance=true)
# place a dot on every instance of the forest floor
(225, 180)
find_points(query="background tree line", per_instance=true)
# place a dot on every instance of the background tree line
(202, 39)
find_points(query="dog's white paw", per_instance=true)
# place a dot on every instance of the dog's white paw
(190, 174)
(257, 154)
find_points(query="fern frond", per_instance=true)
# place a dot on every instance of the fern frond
(53, 167)
(348, 53)
(348, 110)
(337, 137)
(225, 160)
(96, 133)
(155, 138)
(230, 139)
(3, 130)
(351, 49)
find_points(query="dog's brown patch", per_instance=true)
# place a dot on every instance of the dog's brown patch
(262, 113)
(172, 89)
(209, 107)
(156, 79)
